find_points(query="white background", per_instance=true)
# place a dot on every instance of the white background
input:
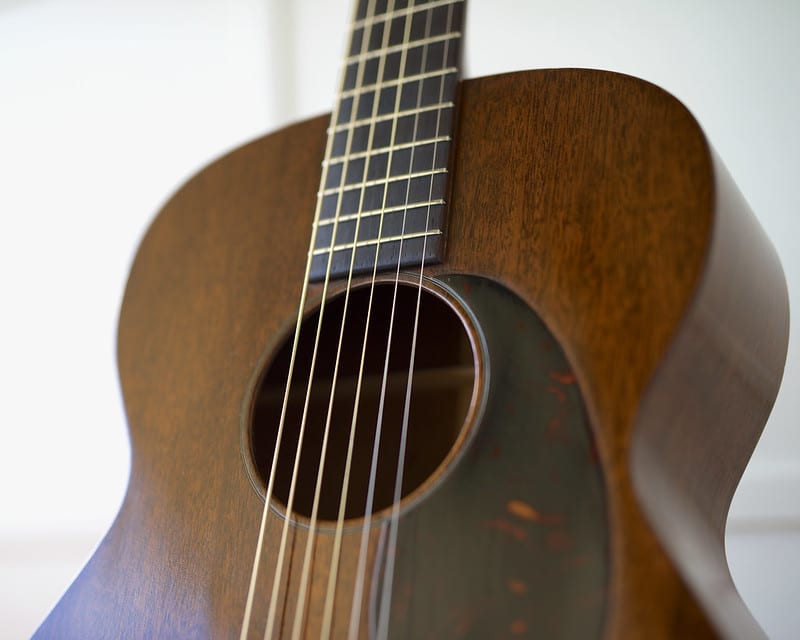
(105, 108)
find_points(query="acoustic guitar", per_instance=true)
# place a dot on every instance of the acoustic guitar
(478, 359)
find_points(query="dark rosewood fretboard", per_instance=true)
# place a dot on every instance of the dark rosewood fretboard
(384, 177)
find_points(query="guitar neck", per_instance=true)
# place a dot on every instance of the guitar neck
(382, 195)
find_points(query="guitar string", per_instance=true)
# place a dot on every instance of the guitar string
(292, 361)
(335, 557)
(259, 548)
(306, 564)
(391, 550)
(344, 492)
(361, 567)
(275, 591)
(410, 9)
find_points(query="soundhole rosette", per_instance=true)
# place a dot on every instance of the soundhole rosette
(445, 400)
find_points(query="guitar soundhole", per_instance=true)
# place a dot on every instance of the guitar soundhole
(443, 388)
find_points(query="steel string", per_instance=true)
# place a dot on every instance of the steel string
(292, 360)
(361, 570)
(342, 183)
(391, 551)
(303, 588)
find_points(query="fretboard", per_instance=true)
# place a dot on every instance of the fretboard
(384, 180)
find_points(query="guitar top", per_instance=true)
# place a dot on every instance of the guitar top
(465, 359)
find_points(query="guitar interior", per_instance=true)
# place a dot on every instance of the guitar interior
(443, 387)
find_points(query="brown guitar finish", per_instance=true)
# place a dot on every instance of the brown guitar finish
(595, 198)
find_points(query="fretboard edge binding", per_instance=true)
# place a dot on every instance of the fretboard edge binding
(375, 241)
(398, 81)
(376, 152)
(389, 116)
(375, 212)
(377, 181)
(360, 57)
(400, 12)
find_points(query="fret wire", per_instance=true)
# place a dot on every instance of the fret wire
(384, 606)
(350, 125)
(380, 150)
(397, 81)
(375, 241)
(389, 116)
(396, 13)
(307, 563)
(271, 607)
(374, 212)
(360, 57)
(360, 61)
(378, 181)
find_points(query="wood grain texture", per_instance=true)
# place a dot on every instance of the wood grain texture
(592, 196)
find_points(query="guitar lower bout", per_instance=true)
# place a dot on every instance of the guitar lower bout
(614, 329)
(503, 525)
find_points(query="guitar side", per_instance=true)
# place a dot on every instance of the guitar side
(595, 199)
(676, 323)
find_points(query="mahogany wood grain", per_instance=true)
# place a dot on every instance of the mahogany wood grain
(596, 199)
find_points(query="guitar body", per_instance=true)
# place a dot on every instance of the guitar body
(628, 320)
